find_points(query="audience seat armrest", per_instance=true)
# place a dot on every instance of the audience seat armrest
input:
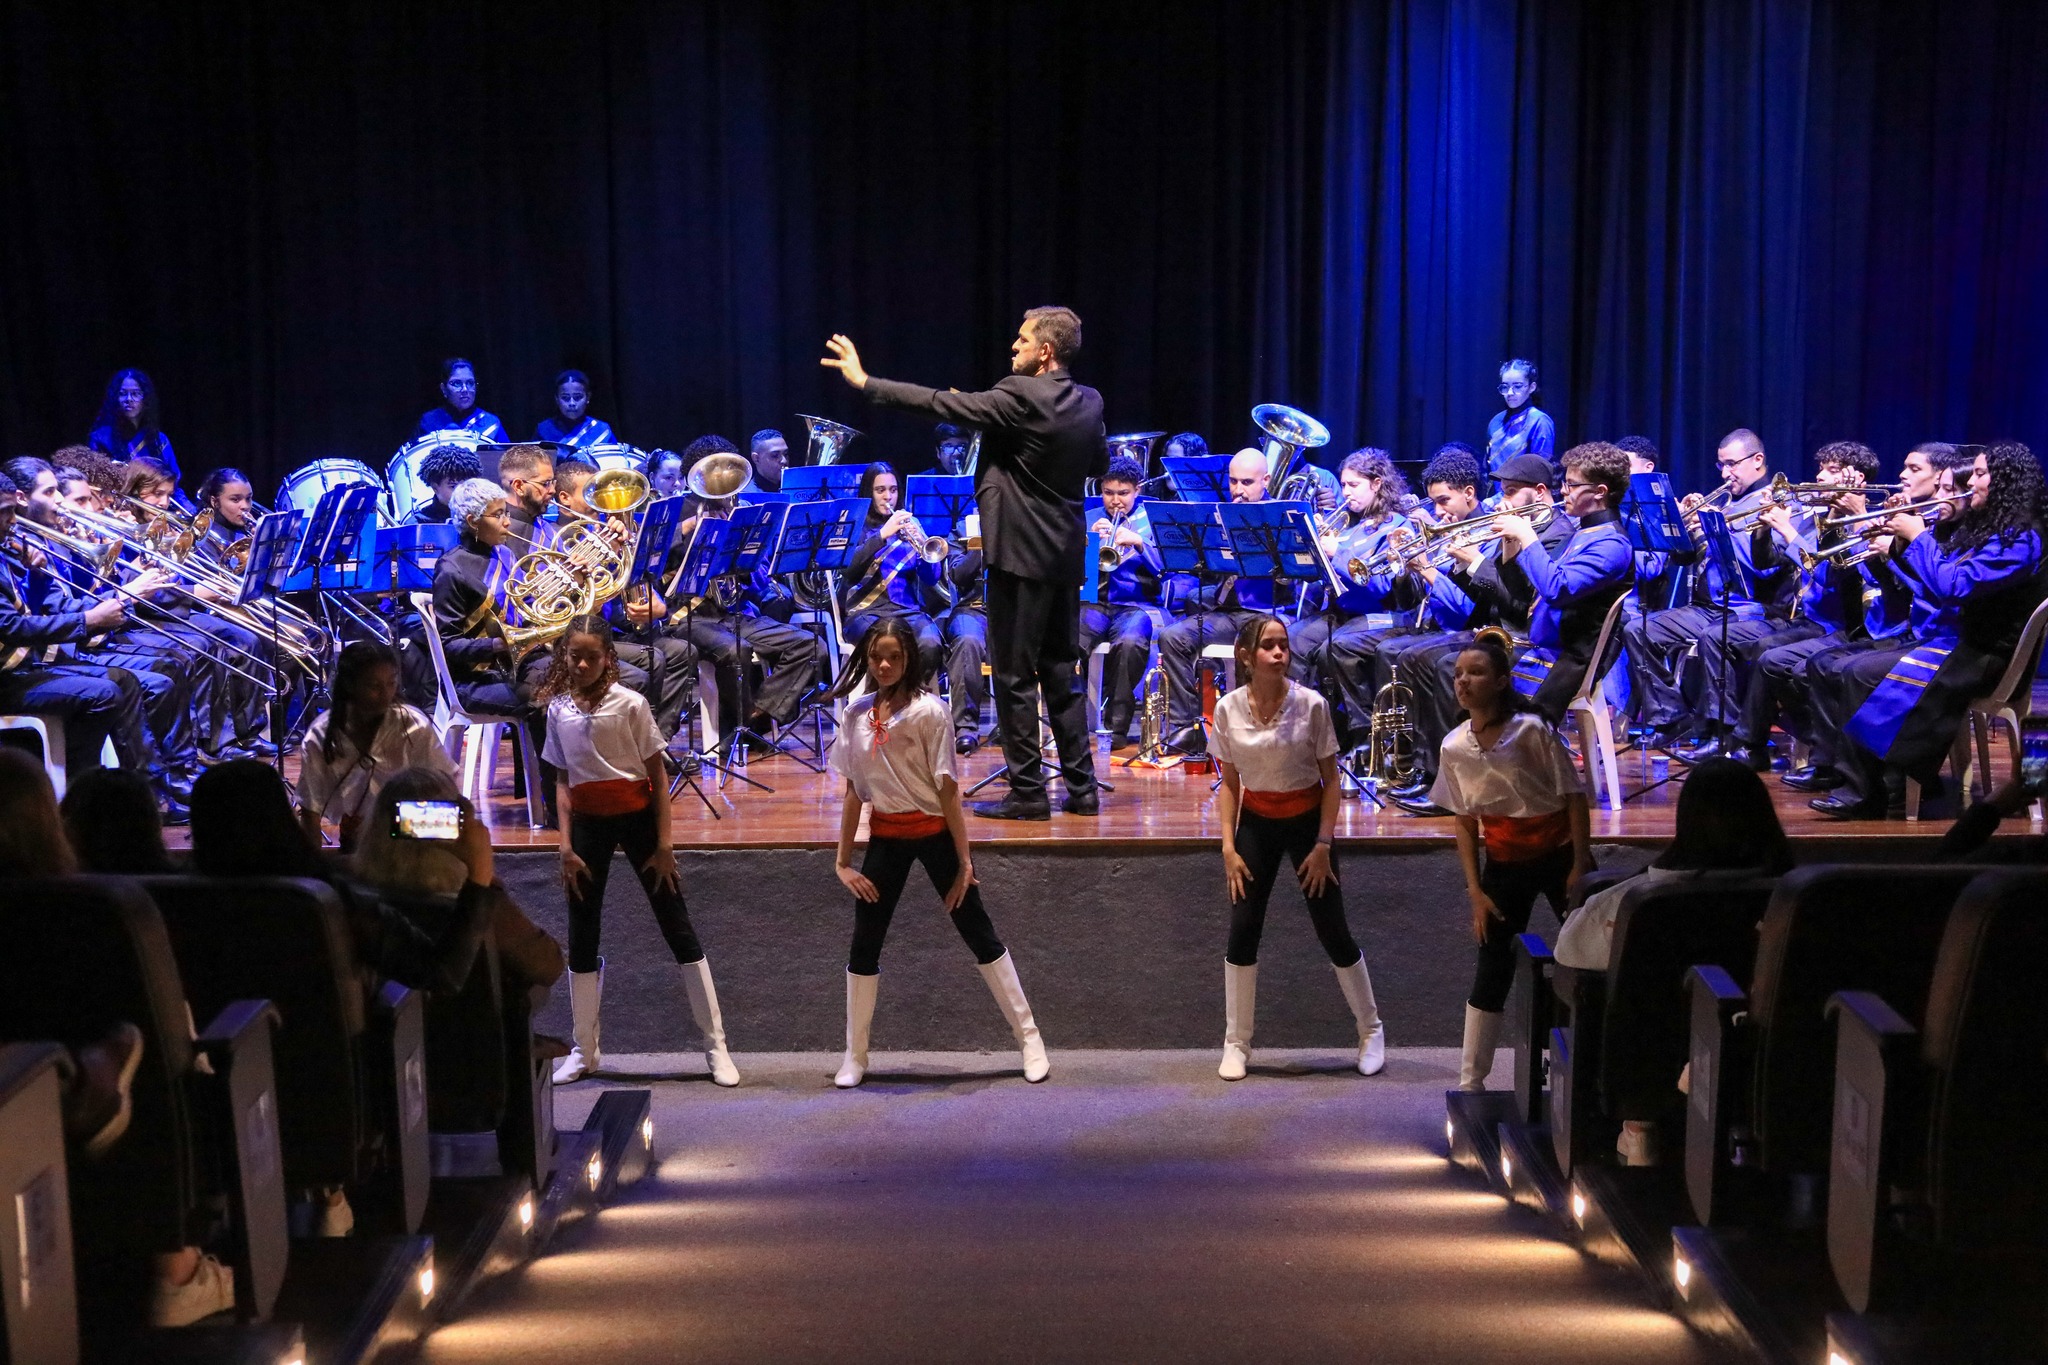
(237, 1094)
(396, 1070)
(1871, 1184)
(1530, 1014)
(1717, 1119)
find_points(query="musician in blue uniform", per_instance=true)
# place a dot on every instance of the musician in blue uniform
(965, 630)
(1722, 616)
(1657, 576)
(887, 575)
(1125, 598)
(1357, 532)
(1522, 428)
(1218, 612)
(1984, 575)
(128, 427)
(458, 410)
(572, 425)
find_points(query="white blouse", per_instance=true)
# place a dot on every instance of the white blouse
(1527, 772)
(609, 744)
(899, 774)
(1284, 756)
(349, 784)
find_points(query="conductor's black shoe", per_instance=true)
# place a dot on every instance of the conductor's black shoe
(1850, 807)
(1010, 808)
(1120, 740)
(966, 744)
(1083, 803)
(1813, 778)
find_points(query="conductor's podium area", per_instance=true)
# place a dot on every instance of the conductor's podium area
(1835, 1091)
(355, 1158)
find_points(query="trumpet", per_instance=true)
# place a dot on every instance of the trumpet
(1690, 505)
(1390, 741)
(1871, 523)
(931, 549)
(1483, 529)
(1112, 556)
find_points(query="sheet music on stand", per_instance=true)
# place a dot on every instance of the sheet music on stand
(1198, 478)
(656, 537)
(942, 502)
(1278, 540)
(271, 549)
(1191, 538)
(335, 550)
(406, 556)
(1721, 556)
(708, 559)
(1651, 515)
(756, 529)
(821, 483)
(817, 536)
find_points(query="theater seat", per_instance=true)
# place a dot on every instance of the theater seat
(343, 1104)
(199, 1164)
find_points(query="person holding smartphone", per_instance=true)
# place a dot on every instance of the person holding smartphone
(895, 750)
(1277, 750)
(368, 735)
(612, 791)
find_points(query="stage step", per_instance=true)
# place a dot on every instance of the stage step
(1529, 1167)
(1625, 1215)
(359, 1298)
(1472, 1120)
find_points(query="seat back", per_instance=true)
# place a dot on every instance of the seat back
(285, 940)
(1832, 929)
(447, 702)
(1596, 670)
(1985, 1047)
(2018, 678)
(466, 1076)
(1663, 930)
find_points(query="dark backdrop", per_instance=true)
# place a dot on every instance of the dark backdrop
(1820, 218)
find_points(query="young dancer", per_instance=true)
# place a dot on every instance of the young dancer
(895, 750)
(1278, 754)
(1506, 776)
(613, 793)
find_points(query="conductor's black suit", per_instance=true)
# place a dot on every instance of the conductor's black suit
(1042, 440)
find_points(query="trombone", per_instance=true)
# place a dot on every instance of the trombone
(1870, 524)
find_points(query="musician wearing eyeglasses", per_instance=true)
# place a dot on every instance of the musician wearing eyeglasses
(1486, 586)
(889, 573)
(471, 613)
(1358, 540)
(528, 476)
(571, 424)
(39, 585)
(40, 676)
(128, 427)
(1724, 616)
(1521, 428)
(1125, 599)
(458, 410)
(1893, 714)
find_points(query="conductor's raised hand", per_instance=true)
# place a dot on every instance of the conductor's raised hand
(845, 359)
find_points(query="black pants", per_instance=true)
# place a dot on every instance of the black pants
(1262, 843)
(788, 656)
(887, 865)
(593, 838)
(1034, 634)
(1513, 888)
(966, 631)
(1128, 628)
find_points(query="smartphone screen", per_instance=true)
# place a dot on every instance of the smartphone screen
(441, 820)
(2034, 754)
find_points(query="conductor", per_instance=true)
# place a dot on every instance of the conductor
(1043, 439)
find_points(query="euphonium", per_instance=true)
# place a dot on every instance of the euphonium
(1152, 712)
(1390, 739)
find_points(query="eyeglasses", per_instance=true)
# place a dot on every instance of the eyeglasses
(1739, 459)
(462, 383)
(1575, 483)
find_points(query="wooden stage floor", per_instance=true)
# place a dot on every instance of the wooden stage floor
(1170, 805)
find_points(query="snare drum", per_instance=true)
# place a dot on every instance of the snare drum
(303, 486)
(403, 489)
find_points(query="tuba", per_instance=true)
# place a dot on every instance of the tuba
(1289, 431)
(828, 439)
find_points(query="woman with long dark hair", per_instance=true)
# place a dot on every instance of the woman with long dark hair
(1516, 794)
(128, 426)
(612, 793)
(111, 816)
(895, 750)
(366, 737)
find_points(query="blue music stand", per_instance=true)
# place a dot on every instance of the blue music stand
(656, 537)
(821, 482)
(1650, 514)
(941, 502)
(339, 536)
(758, 528)
(406, 556)
(1198, 478)
(271, 550)
(1277, 540)
(1190, 539)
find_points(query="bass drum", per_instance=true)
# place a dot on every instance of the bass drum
(610, 455)
(403, 490)
(303, 486)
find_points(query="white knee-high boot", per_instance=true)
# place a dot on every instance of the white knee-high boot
(703, 998)
(1240, 1004)
(1003, 984)
(1372, 1034)
(860, 1012)
(1482, 1033)
(586, 994)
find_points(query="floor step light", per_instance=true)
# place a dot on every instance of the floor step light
(647, 1132)
(427, 1283)
(594, 1172)
(1681, 1273)
(526, 1214)
(1579, 1207)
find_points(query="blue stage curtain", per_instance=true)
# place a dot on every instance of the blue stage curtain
(1817, 218)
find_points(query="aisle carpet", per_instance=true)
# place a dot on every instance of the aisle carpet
(1133, 1208)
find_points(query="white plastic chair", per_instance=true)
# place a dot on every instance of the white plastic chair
(50, 729)
(1596, 726)
(472, 741)
(2010, 701)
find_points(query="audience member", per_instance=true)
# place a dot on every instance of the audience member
(367, 736)
(32, 842)
(114, 824)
